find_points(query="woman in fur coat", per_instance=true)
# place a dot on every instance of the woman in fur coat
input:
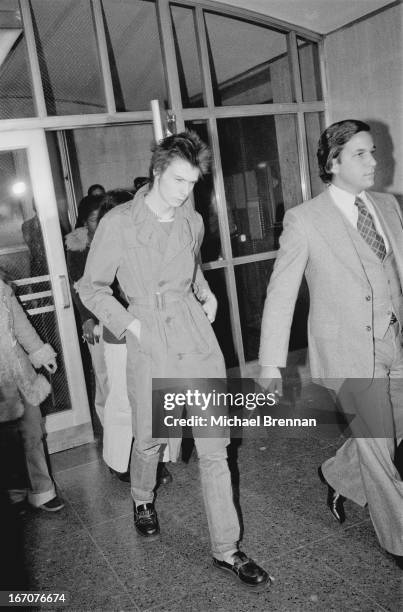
(22, 391)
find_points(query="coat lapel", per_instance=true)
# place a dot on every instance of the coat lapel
(331, 224)
(181, 235)
(392, 226)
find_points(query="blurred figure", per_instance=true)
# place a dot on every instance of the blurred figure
(77, 248)
(96, 190)
(139, 182)
(22, 391)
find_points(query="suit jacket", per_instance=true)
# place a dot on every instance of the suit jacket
(315, 242)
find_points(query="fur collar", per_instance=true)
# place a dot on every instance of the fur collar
(77, 240)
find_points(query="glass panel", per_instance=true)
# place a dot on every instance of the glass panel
(15, 83)
(68, 56)
(183, 25)
(251, 284)
(249, 63)
(134, 50)
(222, 325)
(314, 125)
(261, 178)
(206, 204)
(111, 156)
(23, 258)
(308, 55)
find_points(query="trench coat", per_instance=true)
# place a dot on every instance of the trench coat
(164, 285)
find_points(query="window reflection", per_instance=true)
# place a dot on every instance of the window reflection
(249, 63)
(261, 177)
(251, 284)
(184, 34)
(222, 324)
(205, 203)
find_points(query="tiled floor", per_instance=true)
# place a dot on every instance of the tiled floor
(91, 550)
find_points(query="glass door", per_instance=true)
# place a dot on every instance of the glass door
(31, 253)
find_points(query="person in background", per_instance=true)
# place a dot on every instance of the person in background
(117, 426)
(21, 392)
(96, 190)
(77, 248)
(139, 182)
(151, 244)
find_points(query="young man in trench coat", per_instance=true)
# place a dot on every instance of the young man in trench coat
(151, 244)
(348, 242)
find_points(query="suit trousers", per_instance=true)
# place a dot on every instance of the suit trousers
(362, 469)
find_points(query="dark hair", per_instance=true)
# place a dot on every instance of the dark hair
(87, 206)
(332, 141)
(187, 146)
(95, 187)
(139, 182)
(113, 198)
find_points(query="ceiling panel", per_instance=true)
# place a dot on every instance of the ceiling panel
(321, 16)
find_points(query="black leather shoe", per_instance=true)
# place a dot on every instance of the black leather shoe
(246, 571)
(335, 501)
(146, 521)
(164, 476)
(123, 476)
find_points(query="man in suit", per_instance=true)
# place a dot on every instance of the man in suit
(349, 244)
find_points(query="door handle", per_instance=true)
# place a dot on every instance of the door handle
(65, 291)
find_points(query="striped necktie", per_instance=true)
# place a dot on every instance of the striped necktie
(367, 229)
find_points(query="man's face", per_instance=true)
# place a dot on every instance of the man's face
(176, 183)
(92, 222)
(354, 169)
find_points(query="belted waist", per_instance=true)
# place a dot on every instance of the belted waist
(158, 300)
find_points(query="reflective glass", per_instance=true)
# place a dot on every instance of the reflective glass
(308, 55)
(261, 176)
(206, 204)
(112, 156)
(222, 324)
(68, 56)
(134, 50)
(249, 63)
(314, 125)
(251, 284)
(183, 26)
(15, 83)
(23, 259)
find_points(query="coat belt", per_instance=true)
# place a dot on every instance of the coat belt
(159, 300)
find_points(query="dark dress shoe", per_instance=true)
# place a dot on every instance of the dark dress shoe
(245, 570)
(146, 521)
(335, 501)
(164, 476)
(123, 476)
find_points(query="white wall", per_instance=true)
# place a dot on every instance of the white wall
(365, 81)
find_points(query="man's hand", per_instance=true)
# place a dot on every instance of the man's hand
(89, 331)
(51, 365)
(210, 307)
(270, 379)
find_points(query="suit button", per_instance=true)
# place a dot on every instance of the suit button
(368, 298)
(368, 328)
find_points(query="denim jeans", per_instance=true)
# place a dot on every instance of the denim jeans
(216, 485)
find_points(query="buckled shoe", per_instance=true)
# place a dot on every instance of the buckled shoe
(146, 521)
(245, 570)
